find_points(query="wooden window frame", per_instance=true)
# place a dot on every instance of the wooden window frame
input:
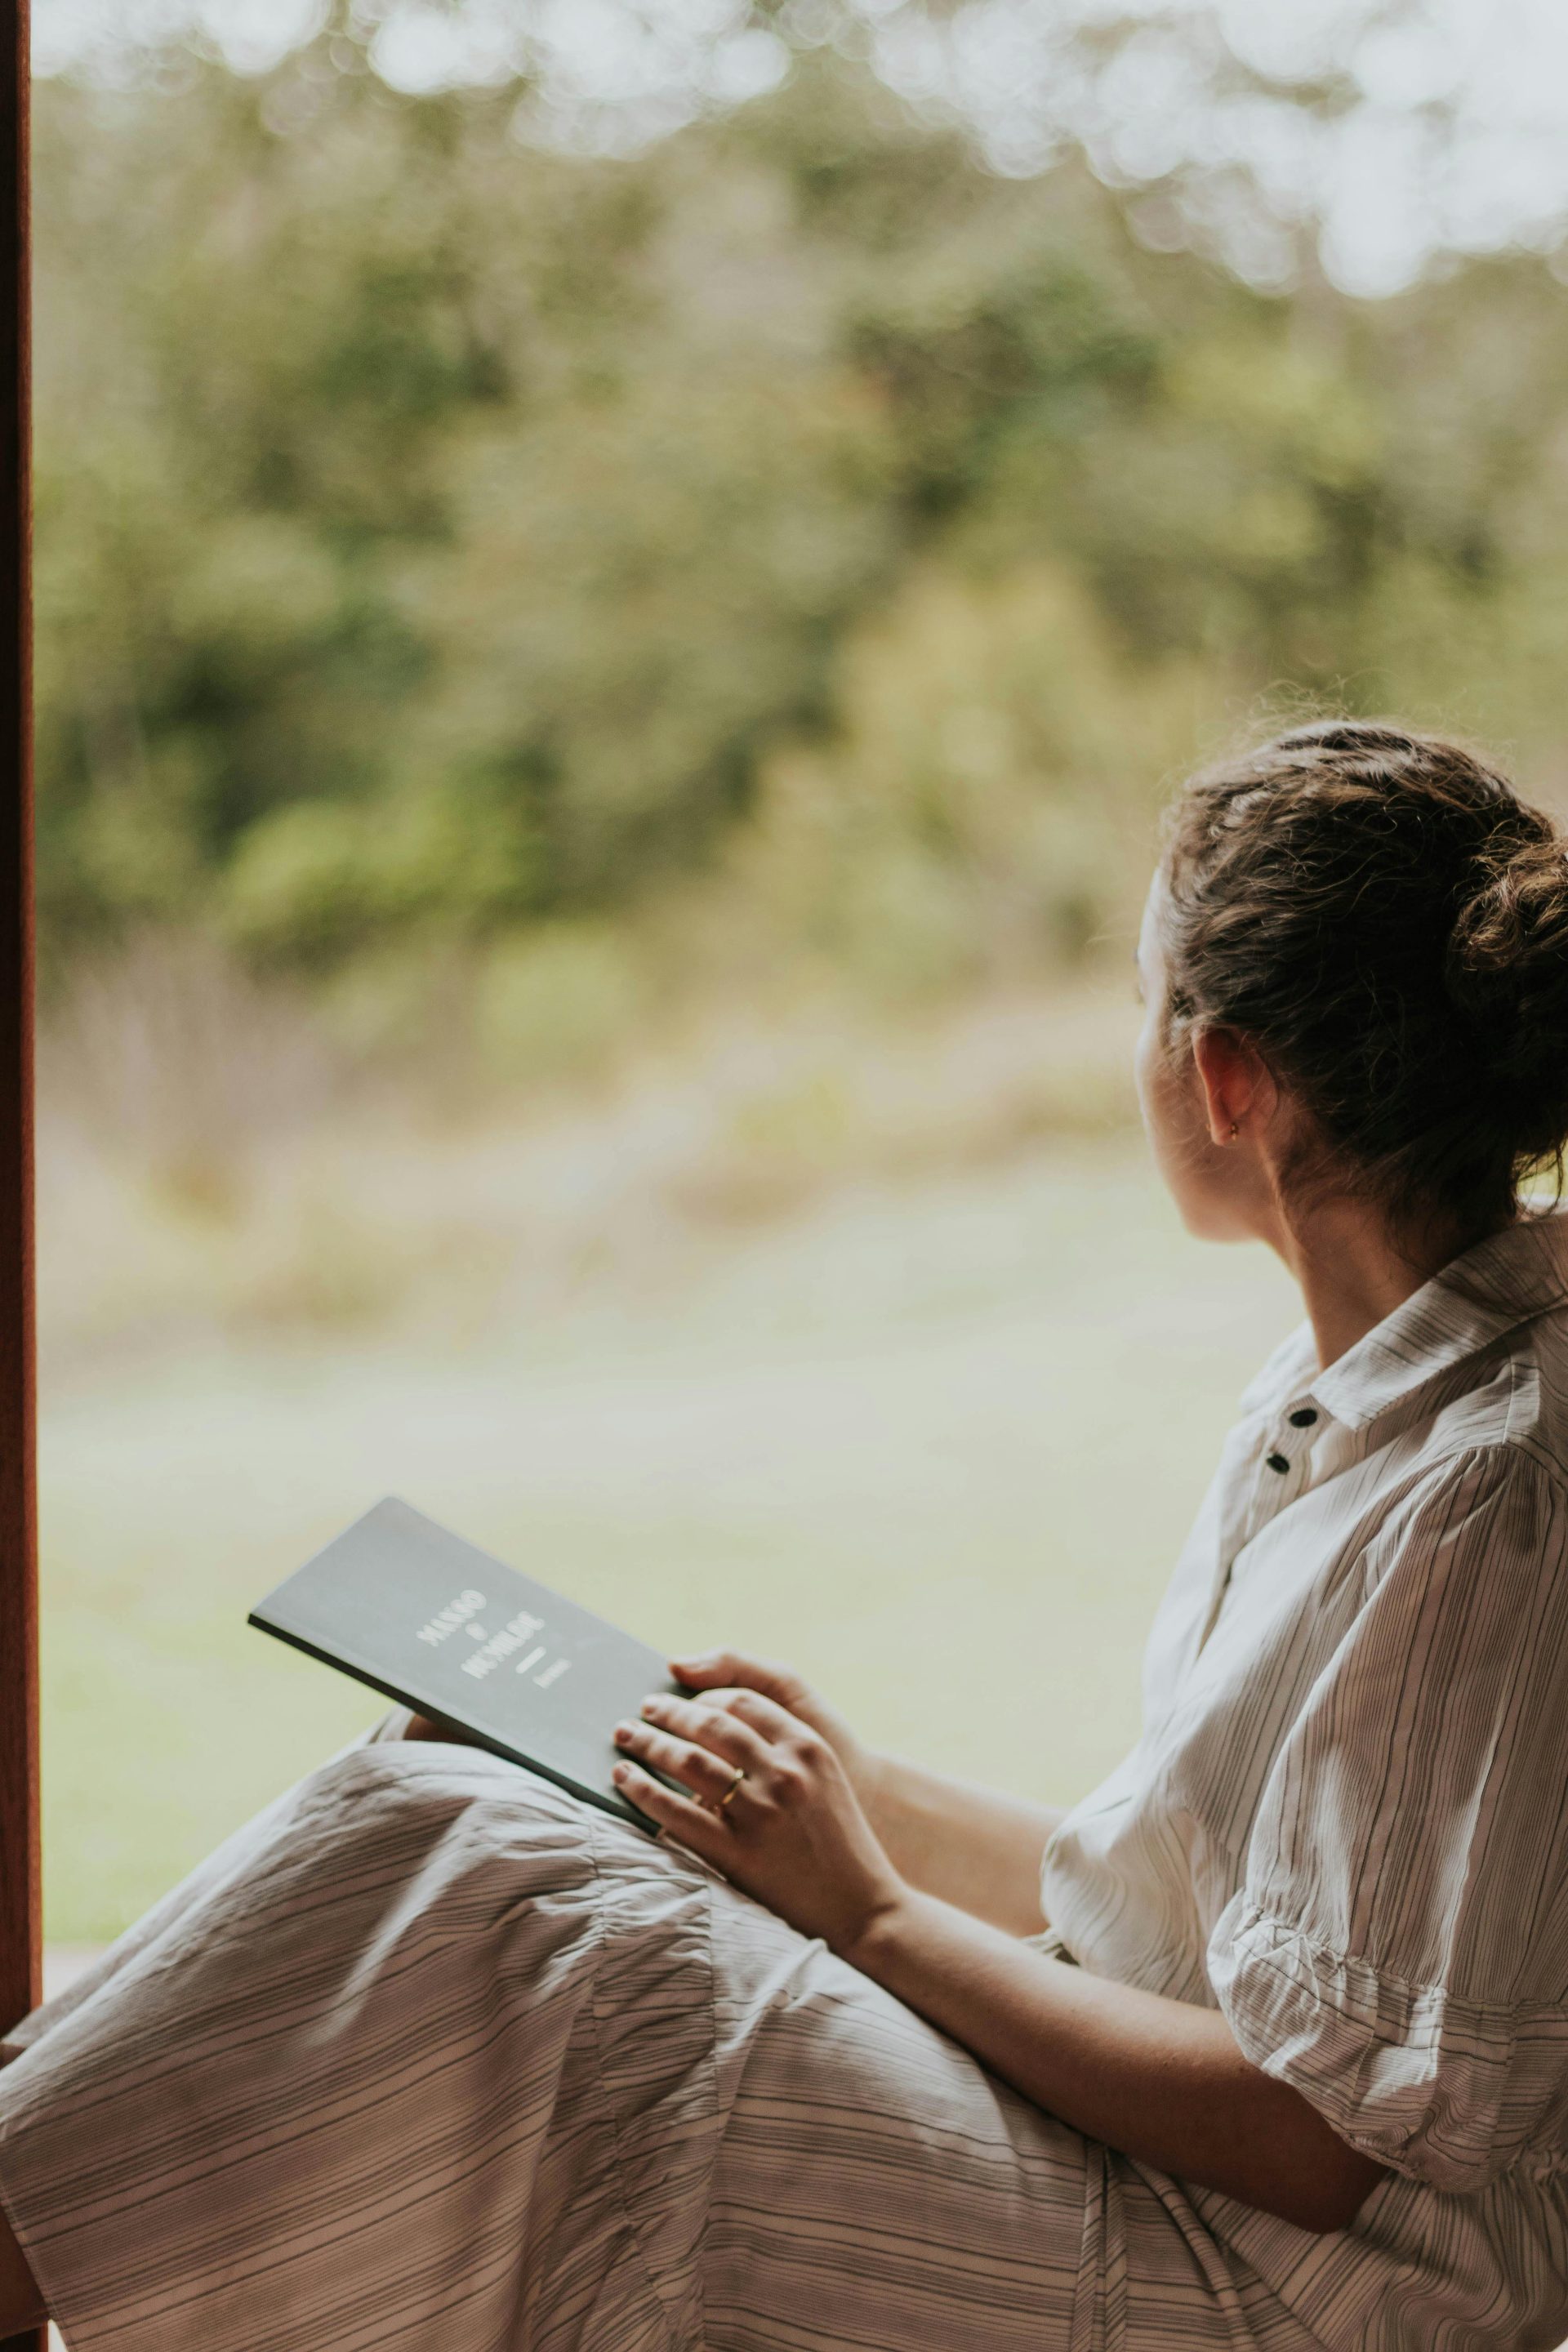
(21, 1908)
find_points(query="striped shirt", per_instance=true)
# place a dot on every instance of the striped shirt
(1346, 1822)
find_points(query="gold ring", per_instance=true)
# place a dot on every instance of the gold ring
(724, 1801)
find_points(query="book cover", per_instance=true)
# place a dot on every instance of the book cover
(409, 1608)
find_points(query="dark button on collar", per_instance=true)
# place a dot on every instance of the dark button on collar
(1304, 1416)
(1278, 1462)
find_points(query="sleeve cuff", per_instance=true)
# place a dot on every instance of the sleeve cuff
(1442, 2089)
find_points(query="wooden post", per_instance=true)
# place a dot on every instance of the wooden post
(21, 1953)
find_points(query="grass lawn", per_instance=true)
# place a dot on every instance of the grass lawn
(936, 1445)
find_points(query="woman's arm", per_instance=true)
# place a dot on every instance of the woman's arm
(772, 1807)
(971, 1846)
(1160, 2080)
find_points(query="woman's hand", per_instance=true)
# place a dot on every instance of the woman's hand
(971, 1846)
(770, 1805)
(721, 1675)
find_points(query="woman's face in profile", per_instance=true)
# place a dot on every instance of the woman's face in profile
(1201, 1177)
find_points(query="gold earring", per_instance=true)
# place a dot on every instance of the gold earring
(1234, 1129)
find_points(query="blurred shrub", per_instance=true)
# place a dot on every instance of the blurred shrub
(314, 881)
(986, 806)
(561, 1002)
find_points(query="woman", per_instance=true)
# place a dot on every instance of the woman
(431, 2054)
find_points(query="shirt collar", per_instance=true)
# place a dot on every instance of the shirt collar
(1507, 1280)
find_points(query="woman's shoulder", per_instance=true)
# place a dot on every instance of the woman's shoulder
(1508, 1422)
(1537, 1427)
(1485, 1485)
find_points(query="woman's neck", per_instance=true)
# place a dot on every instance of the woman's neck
(1355, 1268)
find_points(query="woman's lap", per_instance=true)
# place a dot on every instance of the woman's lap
(434, 2054)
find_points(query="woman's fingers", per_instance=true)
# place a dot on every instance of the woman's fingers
(765, 1717)
(693, 1824)
(703, 1746)
(715, 1668)
(722, 1729)
(707, 1775)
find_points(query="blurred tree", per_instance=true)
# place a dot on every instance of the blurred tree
(439, 534)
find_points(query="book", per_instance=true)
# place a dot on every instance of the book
(431, 1621)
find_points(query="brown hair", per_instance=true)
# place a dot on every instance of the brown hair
(1387, 922)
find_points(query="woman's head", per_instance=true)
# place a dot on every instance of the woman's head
(1360, 936)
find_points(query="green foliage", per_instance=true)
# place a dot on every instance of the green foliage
(990, 771)
(440, 538)
(316, 879)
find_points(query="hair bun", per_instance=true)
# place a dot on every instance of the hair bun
(1386, 920)
(1508, 969)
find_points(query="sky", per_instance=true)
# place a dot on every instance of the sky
(1455, 138)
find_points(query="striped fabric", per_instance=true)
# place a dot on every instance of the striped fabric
(430, 2056)
(1347, 1819)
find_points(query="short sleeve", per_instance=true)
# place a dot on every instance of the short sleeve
(1398, 1949)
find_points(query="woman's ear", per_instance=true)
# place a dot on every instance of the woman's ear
(1236, 1083)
